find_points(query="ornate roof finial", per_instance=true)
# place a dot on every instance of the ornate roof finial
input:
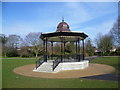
(62, 19)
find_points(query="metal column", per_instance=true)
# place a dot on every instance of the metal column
(52, 49)
(83, 49)
(46, 52)
(61, 52)
(79, 49)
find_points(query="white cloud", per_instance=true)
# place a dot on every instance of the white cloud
(79, 13)
(92, 31)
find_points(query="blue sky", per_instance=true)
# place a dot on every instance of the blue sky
(91, 18)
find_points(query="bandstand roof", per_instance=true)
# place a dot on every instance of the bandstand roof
(63, 33)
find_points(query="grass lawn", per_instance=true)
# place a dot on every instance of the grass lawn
(112, 61)
(12, 80)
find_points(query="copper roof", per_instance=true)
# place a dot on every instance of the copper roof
(63, 27)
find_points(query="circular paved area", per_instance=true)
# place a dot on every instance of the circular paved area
(93, 69)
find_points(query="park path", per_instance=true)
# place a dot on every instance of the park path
(91, 58)
(110, 77)
(93, 69)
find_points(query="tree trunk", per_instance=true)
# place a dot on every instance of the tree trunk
(36, 55)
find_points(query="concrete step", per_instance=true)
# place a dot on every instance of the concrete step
(45, 67)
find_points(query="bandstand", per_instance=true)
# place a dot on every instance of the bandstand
(63, 35)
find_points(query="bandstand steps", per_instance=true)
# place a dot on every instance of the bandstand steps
(45, 67)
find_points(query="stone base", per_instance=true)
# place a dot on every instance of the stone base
(47, 66)
(72, 66)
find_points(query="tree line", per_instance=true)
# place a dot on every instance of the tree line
(30, 46)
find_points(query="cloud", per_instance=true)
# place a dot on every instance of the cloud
(92, 31)
(83, 12)
(94, 13)
(77, 13)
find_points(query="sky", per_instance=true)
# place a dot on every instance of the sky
(91, 18)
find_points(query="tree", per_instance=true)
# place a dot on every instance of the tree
(70, 48)
(3, 40)
(89, 49)
(57, 49)
(115, 32)
(13, 42)
(104, 43)
(25, 52)
(33, 40)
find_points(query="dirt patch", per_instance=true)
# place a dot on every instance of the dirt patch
(93, 69)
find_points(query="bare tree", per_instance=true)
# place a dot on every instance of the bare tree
(13, 41)
(115, 32)
(104, 43)
(33, 40)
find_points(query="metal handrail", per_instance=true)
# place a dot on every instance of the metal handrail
(39, 62)
(56, 62)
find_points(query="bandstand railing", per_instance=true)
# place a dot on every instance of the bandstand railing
(56, 62)
(67, 58)
(73, 58)
(39, 62)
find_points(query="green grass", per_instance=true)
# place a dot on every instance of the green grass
(112, 61)
(12, 80)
